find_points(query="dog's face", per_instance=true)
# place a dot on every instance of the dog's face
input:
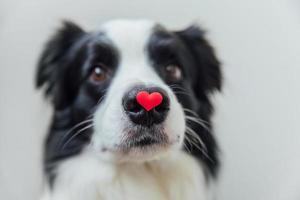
(95, 78)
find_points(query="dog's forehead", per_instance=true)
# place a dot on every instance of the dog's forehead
(129, 35)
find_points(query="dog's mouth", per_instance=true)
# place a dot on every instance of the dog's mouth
(143, 142)
(143, 138)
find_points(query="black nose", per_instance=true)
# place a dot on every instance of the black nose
(148, 108)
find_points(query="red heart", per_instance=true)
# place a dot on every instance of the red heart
(149, 101)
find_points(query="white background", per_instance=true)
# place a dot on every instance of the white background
(257, 118)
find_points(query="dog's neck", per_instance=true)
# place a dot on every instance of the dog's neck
(174, 177)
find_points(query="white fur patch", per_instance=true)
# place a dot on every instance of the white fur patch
(177, 177)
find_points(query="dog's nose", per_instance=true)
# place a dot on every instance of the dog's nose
(146, 105)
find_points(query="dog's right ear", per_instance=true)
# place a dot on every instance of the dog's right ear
(50, 71)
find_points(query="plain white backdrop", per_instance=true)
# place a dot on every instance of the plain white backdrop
(257, 118)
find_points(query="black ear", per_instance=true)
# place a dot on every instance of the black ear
(209, 76)
(50, 71)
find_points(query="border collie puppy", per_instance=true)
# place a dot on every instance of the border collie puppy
(132, 112)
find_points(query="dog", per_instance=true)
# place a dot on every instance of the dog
(131, 112)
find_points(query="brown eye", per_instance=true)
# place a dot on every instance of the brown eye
(173, 72)
(98, 74)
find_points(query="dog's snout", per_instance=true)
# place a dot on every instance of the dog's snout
(146, 105)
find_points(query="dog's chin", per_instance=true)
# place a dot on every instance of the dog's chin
(142, 153)
(143, 144)
(140, 144)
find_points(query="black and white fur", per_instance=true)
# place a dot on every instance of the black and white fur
(83, 158)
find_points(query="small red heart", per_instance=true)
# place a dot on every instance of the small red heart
(149, 101)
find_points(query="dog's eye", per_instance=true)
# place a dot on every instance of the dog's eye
(98, 74)
(173, 72)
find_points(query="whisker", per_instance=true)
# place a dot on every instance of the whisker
(194, 134)
(197, 121)
(192, 142)
(91, 116)
(176, 86)
(180, 92)
(74, 127)
(189, 140)
(101, 98)
(191, 112)
(76, 134)
(195, 114)
(204, 151)
(185, 145)
(179, 89)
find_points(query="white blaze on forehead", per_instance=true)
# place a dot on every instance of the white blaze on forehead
(129, 35)
(131, 38)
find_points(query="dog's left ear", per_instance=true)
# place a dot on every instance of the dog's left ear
(209, 76)
(52, 69)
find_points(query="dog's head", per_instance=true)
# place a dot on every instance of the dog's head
(130, 91)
